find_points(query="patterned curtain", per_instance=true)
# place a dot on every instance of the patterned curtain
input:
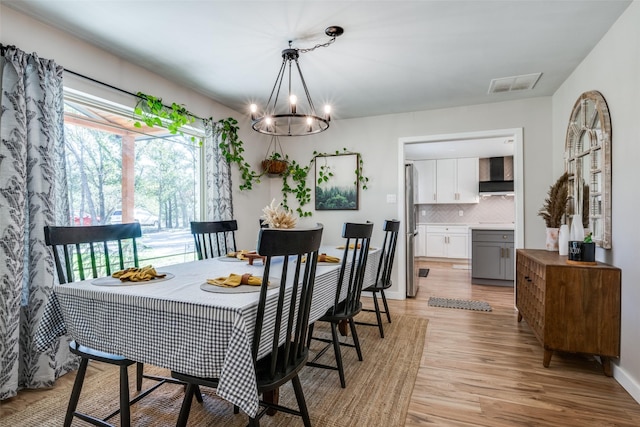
(217, 175)
(32, 194)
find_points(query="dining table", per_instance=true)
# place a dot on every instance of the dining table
(182, 323)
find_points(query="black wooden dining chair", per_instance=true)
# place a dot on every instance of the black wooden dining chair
(383, 274)
(91, 252)
(214, 238)
(287, 335)
(351, 276)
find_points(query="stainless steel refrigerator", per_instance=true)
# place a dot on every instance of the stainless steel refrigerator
(411, 230)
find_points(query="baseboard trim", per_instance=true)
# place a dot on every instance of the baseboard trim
(626, 381)
(494, 282)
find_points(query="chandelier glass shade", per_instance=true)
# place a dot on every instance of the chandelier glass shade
(290, 110)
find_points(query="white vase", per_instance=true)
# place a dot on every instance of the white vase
(552, 239)
(577, 231)
(563, 240)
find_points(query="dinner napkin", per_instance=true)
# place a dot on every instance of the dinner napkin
(234, 280)
(324, 258)
(137, 274)
(327, 258)
(238, 254)
(351, 246)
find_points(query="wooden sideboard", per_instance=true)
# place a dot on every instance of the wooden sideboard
(571, 308)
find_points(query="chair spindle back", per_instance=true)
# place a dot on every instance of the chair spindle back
(358, 237)
(294, 294)
(214, 238)
(72, 245)
(391, 229)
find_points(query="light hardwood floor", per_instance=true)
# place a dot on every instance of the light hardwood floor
(484, 368)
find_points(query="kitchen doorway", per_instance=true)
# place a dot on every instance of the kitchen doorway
(458, 145)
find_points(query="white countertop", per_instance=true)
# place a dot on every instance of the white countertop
(507, 226)
(475, 226)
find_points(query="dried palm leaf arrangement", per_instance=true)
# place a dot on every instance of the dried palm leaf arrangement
(555, 205)
(275, 216)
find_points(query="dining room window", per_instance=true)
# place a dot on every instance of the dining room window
(117, 172)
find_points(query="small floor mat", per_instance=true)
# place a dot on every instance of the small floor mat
(459, 303)
(423, 272)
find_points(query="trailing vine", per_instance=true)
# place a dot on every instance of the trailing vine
(299, 175)
(232, 149)
(152, 112)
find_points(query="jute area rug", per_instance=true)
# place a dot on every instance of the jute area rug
(377, 393)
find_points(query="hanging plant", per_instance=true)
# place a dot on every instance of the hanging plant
(151, 111)
(274, 163)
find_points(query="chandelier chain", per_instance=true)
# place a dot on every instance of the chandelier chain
(309, 49)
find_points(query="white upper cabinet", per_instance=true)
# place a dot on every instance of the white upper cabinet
(426, 181)
(448, 181)
(468, 179)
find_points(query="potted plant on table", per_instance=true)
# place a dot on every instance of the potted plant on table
(554, 209)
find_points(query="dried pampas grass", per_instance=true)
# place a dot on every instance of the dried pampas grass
(275, 216)
(555, 205)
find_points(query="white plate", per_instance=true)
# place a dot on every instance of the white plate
(341, 247)
(274, 283)
(112, 281)
(231, 259)
(328, 263)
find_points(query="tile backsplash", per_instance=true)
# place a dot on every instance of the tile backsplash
(494, 209)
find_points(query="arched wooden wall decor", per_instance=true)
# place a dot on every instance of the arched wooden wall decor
(588, 162)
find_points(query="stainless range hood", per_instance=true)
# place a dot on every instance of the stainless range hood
(496, 175)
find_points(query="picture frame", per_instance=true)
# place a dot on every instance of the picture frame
(337, 182)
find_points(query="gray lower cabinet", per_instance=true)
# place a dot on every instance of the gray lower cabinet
(492, 257)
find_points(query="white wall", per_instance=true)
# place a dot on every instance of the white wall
(78, 56)
(376, 138)
(613, 68)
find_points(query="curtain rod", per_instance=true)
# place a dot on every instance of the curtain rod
(100, 83)
(3, 49)
(116, 88)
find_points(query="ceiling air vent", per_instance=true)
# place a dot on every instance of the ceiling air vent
(515, 83)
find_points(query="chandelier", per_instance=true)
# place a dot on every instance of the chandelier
(290, 117)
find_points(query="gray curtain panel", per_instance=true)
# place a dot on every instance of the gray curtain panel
(32, 195)
(217, 175)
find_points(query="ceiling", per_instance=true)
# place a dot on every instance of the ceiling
(394, 57)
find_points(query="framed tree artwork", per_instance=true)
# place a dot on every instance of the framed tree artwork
(337, 182)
